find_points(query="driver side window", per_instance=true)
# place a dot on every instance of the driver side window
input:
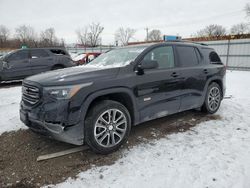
(20, 55)
(163, 55)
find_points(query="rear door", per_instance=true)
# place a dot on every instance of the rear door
(192, 70)
(40, 61)
(158, 90)
(18, 65)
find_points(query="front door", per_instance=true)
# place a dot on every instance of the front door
(18, 65)
(158, 90)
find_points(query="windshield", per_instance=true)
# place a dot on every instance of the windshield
(6, 54)
(117, 57)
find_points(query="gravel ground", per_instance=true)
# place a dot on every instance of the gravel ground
(10, 84)
(20, 149)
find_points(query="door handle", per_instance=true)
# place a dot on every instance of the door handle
(205, 71)
(174, 74)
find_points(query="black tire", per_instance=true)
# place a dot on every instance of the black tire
(91, 127)
(207, 107)
(56, 67)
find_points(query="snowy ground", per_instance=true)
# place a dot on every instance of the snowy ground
(212, 154)
(9, 109)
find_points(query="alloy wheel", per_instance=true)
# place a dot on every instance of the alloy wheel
(214, 98)
(110, 128)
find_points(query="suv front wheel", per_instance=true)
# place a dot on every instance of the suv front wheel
(213, 98)
(107, 126)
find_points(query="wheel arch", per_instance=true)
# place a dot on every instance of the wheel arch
(121, 95)
(219, 82)
(216, 79)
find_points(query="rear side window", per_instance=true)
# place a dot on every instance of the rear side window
(187, 56)
(58, 52)
(38, 53)
(214, 58)
(20, 55)
(163, 55)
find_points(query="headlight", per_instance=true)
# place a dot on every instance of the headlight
(65, 92)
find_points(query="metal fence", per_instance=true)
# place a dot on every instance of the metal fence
(234, 53)
(78, 50)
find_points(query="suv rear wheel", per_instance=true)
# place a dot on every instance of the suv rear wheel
(213, 98)
(107, 126)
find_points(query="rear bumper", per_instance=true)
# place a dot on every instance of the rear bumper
(33, 119)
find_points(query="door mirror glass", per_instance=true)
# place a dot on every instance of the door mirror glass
(148, 64)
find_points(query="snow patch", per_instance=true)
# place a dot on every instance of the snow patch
(212, 154)
(9, 109)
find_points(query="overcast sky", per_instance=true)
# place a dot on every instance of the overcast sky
(181, 17)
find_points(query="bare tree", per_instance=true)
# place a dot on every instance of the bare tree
(124, 35)
(4, 34)
(26, 34)
(89, 35)
(95, 29)
(48, 37)
(155, 35)
(247, 9)
(238, 29)
(212, 31)
(62, 42)
(82, 36)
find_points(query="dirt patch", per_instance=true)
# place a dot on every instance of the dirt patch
(10, 84)
(19, 151)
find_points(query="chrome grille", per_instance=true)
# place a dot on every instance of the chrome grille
(30, 94)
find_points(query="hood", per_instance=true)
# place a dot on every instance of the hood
(73, 75)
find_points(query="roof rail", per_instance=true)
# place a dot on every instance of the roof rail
(187, 41)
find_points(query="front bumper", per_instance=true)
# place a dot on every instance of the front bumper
(46, 120)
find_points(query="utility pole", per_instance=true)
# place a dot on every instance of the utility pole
(147, 33)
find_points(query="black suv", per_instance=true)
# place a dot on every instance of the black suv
(26, 62)
(98, 103)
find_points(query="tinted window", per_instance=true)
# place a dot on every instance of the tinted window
(163, 55)
(58, 52)
(187, 56)
(38, 53)
(24, 54)
(213, 56)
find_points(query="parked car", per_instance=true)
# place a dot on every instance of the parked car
(85, 58)
(98, 103)
(25, 62)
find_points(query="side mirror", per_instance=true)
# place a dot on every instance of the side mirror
(148, 64)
